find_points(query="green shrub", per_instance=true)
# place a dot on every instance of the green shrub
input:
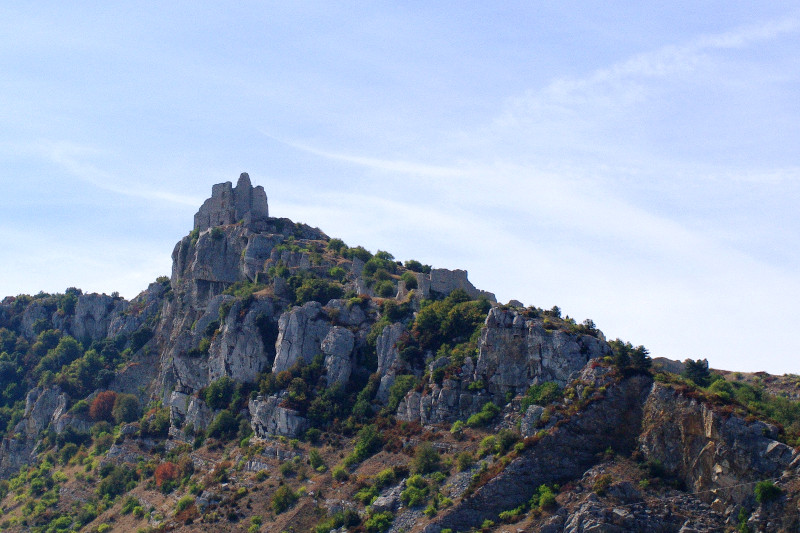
(384, 478)
(416, 491)
(219, 393)
(366, 495)
(401, 386)
(379, 522)
(543, 498)
(385, 289)
(184, 503)
(224, 426)
(283, 498)
(369, 442)
(116, 480)
(464, 461)
(317, 290)
(129, 505)
(487, 445)
(414, 265)
(155, 425)
(336, 245)
(337, 273)
(126, 408)
(602, 483)
(315, 459)
(67, 452)
(766, 491)
(541, 394)
(340, 473)
(140, 337)
(410, 280)
(505, 440)
(426, 459)
(457, 429)
(697, 371)
(486, 415)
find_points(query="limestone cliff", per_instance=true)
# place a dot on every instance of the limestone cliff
(268, 330)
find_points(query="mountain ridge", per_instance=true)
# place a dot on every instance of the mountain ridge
(288, 349)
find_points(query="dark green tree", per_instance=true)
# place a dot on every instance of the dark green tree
(697, 371)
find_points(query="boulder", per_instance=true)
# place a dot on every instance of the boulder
(530, 419)
(343, 313)
(389, 363)
(269, 418)
(386, 346)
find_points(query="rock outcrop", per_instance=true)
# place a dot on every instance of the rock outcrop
(238, 351)
(270, 418)
(708, 450)
(337, 346)
(516, 351)
(300, 335)
(443, 403)
(613, 421)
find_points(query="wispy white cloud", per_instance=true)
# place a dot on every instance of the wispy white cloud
(374, 163)
(72, 158)
(663, 62)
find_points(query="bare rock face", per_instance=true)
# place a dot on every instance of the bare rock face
(338, 349)
(187, 410)
(258, 251)
(529, 420)
(37, 310)
(239, 351)
(341, 312)
(445, 403)
(136, 312)
(387, 346)
(269, 418)
(42, 406)
(516, 351)
(612, 421)
(388, 358)
(93, 315)
(300, 335)
(229, 205)
(708, 450)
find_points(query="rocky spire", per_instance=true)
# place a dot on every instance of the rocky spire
(229, 205)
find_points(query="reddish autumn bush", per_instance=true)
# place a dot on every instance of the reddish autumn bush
(103, 405)
(166, 473)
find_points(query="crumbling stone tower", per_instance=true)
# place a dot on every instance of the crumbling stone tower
(229, 205)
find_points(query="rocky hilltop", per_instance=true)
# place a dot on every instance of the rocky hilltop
(280, 380)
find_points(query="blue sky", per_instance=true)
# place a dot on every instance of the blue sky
(637, 165)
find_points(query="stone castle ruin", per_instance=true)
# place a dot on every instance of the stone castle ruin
(229, 205)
